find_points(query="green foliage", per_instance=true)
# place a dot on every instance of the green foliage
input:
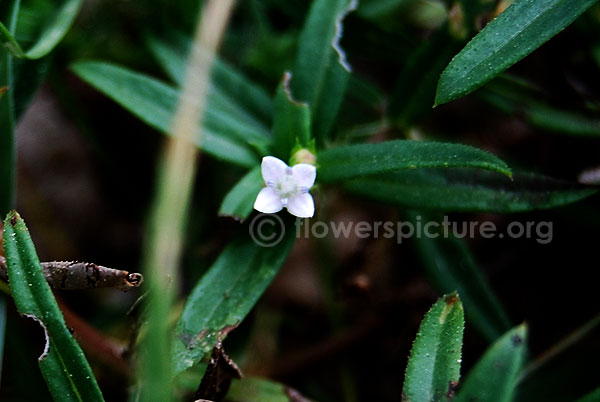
(62, 362)
(154, 102)
(252, 389)
(494, 376)
(521, 100)
(465, 190)
(226, 294)
(591, 397)
(50, 36)
(321, 72)
(356, 124)
(292, 122)
(350, 161)
(518, 31)
(239, 201)
(434, 365)
(228, 84)
(450, 265)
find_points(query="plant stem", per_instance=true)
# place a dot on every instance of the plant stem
(175, 179)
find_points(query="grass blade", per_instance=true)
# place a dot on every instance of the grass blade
(62, 363)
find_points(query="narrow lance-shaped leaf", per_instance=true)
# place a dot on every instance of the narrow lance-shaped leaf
(291, 123)
(515, 33)
(468, 190)
(450, 265)
(231, 84)
(350, 161)
(239, 103)
(154, 102)
(62, 362)
(433, 368)
(321, 71)
(228, 291)
(494, 376)
(239, 201)
(50, 36)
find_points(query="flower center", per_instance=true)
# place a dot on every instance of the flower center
(286, 186)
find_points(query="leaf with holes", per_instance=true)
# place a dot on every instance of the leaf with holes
(62, 363)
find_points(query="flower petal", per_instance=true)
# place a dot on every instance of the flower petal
(267, 201)
(272, 169)
(301, 205)
(304, 174)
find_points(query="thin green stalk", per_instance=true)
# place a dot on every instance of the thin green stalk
(175, 179)
(559, 348)
(7, 146)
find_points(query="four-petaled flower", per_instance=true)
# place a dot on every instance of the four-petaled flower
(286, 187)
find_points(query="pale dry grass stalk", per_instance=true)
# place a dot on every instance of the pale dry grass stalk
(165, 240)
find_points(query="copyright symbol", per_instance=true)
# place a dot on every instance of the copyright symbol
(266, 230)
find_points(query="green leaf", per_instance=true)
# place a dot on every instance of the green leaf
(291, 123)
(468, 190)
(154, 102)
(228, 291)
(230, 91)
(62, 363)
(593, 396)
(450, 265)
(515, 33)
(434, 365)
(350, 161)
(321, 73)
(229, 84)
(239, 202)
(50, 35)
(253, 389)
(494, 377)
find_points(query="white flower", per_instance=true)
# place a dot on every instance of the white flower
(286, 187)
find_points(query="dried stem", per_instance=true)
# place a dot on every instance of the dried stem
(72, 275)
(169, 213)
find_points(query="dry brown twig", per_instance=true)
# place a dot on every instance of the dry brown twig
(72, 275)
